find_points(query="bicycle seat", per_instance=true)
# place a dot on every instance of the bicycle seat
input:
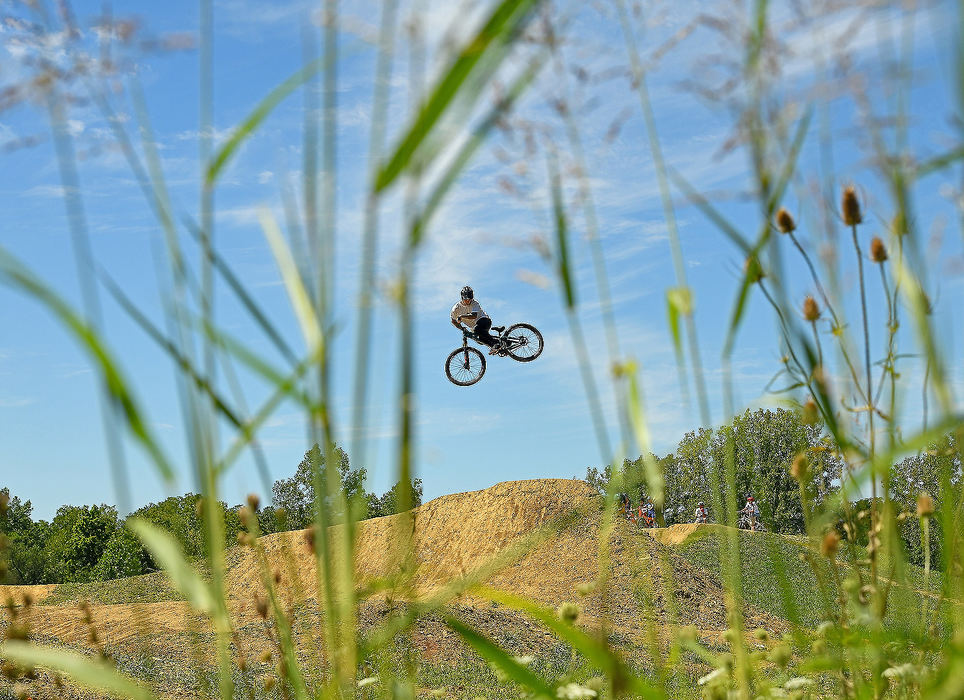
(498, 329)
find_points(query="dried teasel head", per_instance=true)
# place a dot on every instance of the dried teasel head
(878, 251)
(811, 310)
(925, 505)
(785, 222)
(830, 544)
(850, 206)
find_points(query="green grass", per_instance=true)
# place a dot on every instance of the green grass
(148, 588)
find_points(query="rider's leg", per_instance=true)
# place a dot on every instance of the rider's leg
(482, 334)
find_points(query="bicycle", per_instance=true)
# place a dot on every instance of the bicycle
(466, 365)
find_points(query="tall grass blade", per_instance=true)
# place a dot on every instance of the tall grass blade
(258, 115)
(506, 19)
(166, 552)
(115, 384)
(90, 672)
(495, 655)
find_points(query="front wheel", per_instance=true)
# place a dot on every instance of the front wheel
(523, 342)
(465, 366)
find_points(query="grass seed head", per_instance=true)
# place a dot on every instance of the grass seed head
(780, 655)
(830, 544)
(261, 606)
(4, 503)
(850, 206)
(811, 310)
(253, 502)
(244, 515)
(878, 251)
(810, 411)
(925, 505)
(568, 612)
(753, 269)
(265, 656)
(799, 467)
(785, 222)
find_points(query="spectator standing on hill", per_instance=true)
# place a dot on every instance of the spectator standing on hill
(702, 516)
(752, 511)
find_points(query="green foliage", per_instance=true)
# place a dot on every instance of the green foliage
(92, 527)
(123, 556)
(763, 444)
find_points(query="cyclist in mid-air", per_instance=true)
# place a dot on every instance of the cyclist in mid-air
(469, 312)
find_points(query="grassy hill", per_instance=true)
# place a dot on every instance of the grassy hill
(537, 539)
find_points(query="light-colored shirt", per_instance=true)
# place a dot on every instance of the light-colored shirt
(461, 309)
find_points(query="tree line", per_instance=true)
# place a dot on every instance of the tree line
(91, 542)
(784, 460)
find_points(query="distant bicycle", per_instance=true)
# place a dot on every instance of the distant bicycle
(466, 365)
(744, 523)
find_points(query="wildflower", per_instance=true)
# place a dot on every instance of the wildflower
(753, 269)
(850, 207)
(798, 469)
(574, 691)
(568, 612)
(785, 222)
(925, 505)
(831, 541)
(878, 252)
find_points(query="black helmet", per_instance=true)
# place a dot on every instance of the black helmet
(467, 292)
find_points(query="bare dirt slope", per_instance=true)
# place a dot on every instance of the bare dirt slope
(539, 539)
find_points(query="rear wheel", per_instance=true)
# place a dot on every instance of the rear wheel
(523, 342)
(465, 366)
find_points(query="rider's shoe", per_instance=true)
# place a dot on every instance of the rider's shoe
(494, 350)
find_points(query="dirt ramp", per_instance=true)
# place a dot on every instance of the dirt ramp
(452, 535)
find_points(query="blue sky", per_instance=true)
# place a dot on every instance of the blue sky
(521, 420)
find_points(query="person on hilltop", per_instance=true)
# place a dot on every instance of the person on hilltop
(649, 513)
(752, 512)
(702, 516)
(468, 311)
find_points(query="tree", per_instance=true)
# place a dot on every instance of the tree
(937, 472)
(123, 556)
(85, 543)
(388, 503)
(296, 495)
(21, 541)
